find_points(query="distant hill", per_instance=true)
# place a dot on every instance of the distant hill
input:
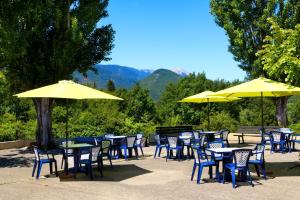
(158, 80)
(123, 77)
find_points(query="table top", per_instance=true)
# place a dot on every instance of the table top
(208, 132)
(75, 146)
(223, 150)
(116, 137)
(185, 137)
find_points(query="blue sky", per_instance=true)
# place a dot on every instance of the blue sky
(152, 34)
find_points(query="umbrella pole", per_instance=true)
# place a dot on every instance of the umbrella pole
(67, 137)
(262, 117)
(208, 113)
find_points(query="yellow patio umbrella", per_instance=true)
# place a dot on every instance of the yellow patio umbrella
(66, 90)
(206, 97)
(260, 87)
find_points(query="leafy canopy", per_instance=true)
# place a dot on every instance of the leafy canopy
(41, 43)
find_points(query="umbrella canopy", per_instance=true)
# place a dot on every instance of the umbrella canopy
(205, 97)
(66, 90)
(259, 87)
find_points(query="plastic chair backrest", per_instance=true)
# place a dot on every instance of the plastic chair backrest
(139, 137)
(172, 142)
(196, 134)
(199, 155)
(277, 136)
(70, 142)
(130, 141)
(225, 133)
(214, 145)
(157, 139)
(259, 151)
(36, 153)
(95, 153)
(105, 146)
(241, 157)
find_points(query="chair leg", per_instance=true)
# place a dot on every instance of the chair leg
(193, 171)
(136, 152)
(263, 170)
(109, 158)
(224, 174)
(34, 168)
(62, 162)
(159, 152)
(168, 152)
(125, 154)
(100, 168)
(90, 168)
(249, 176)
(210, 172)
(39, 170)
(257, 170)
(142, 150)
(233, 177)
(51, 167)
(155, 152)
(55, 167)
(199, 174)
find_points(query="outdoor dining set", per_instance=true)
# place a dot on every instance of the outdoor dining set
(87, 151)
(209, 149)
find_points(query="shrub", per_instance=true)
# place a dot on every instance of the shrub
(220, 121)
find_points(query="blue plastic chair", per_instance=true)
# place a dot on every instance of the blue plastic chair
(105, 151)
(138, 142)
(258, 159)
(187, 142)
(94, 157)
(38, 162)
(201, 160)
(216, 144)
(277, 139)
(224, 137)
(160, 143)
(173, 144)
(128, 144)
(294, 139)
(241, 161)
(66, 154)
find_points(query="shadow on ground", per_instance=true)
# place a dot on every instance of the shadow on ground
(277, 169)
(8, 162)
(115, 174)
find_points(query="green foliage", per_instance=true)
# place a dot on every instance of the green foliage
(281, 53)
(293, 110)
(219, 121)
(140, 106)
(251, 114)
(246, 25)
(13, 129)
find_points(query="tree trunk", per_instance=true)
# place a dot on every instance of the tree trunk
(43, 107)
(281, 109)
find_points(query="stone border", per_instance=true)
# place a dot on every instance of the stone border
(15, 144)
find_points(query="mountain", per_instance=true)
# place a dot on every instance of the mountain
(123, 77)
(158, 80)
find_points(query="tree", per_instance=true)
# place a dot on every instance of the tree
(140, 105)
(110, 85)
(246, 25)
(281, 60)
(42, 43)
